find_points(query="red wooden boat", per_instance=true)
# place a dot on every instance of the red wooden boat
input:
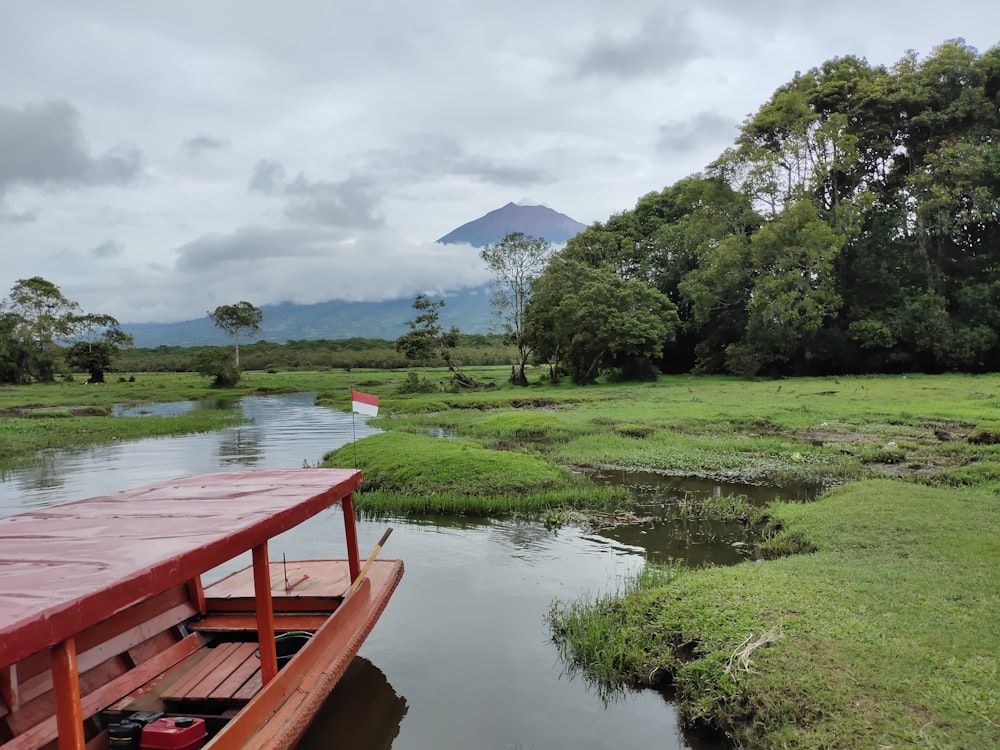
(104, 618)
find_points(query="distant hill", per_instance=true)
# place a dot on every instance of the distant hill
(468, 309)
(536, 221)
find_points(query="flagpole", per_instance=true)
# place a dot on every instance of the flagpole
(363, 403)
(354, 430)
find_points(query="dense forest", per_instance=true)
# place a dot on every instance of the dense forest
(853, 226)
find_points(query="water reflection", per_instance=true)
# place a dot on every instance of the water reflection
(649, 485)
(362, 712)
(283, 432)
(174, 407)
(241, 447)
(696, 544)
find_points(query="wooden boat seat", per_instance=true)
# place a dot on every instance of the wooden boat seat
(237, 623)
(297, 587)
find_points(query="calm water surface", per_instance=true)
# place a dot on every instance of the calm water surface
(461, 659)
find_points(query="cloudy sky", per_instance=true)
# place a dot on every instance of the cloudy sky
(160, 159)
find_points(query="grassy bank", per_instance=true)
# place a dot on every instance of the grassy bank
(21, 439)
(407, 473)
(888, 635)
(73, 414)
(810, 430)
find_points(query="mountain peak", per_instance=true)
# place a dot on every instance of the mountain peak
(536, 221)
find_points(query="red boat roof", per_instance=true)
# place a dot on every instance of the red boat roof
(65, 568)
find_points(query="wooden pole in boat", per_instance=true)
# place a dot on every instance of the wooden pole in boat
(66, 687)
(351, 534)
(265, 613)
(371, 558)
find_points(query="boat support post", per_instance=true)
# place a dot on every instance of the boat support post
(265, 614)
(9, 691)
(196, 593)
(66, 687)
(351, 534)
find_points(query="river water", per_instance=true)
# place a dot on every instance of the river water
(462, 658)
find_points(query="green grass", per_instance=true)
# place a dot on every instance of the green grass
(887, 636)
(597, 638)
(418, 473)
(21, 439)
(381, 502)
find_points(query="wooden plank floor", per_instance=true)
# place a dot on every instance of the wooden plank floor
(220, 676)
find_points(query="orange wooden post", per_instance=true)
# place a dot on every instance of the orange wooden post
(265, 614)
(66, 687)
(196, 593)
(9, 692)
(351, 532)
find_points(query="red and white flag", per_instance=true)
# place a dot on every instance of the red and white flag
(364, 403)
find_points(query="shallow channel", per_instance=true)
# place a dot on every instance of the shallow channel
(461, 658)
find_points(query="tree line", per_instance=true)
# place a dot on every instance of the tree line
(853, 227)
(43, 333)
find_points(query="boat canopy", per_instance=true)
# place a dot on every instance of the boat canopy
(66, 568)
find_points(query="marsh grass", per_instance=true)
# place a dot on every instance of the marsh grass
(597, 640)
(885, 636)
(451, 503)
(693, 507)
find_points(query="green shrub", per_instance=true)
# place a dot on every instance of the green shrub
(416, 384)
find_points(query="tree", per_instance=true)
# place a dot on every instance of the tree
(794, 291)
(594, 321)
(36, 320)
(214, 363)
(236, 319)
(15, 354)
(426, 339)
(97, 339)
(37, 315)
(516, 261)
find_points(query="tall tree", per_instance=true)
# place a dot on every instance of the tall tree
(96, 339)
(795, 291)
(516, 261)
(38, 316)
(594, 321)
(236, 319)
(15, 353)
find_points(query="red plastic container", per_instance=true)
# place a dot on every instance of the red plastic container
(174, 733)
